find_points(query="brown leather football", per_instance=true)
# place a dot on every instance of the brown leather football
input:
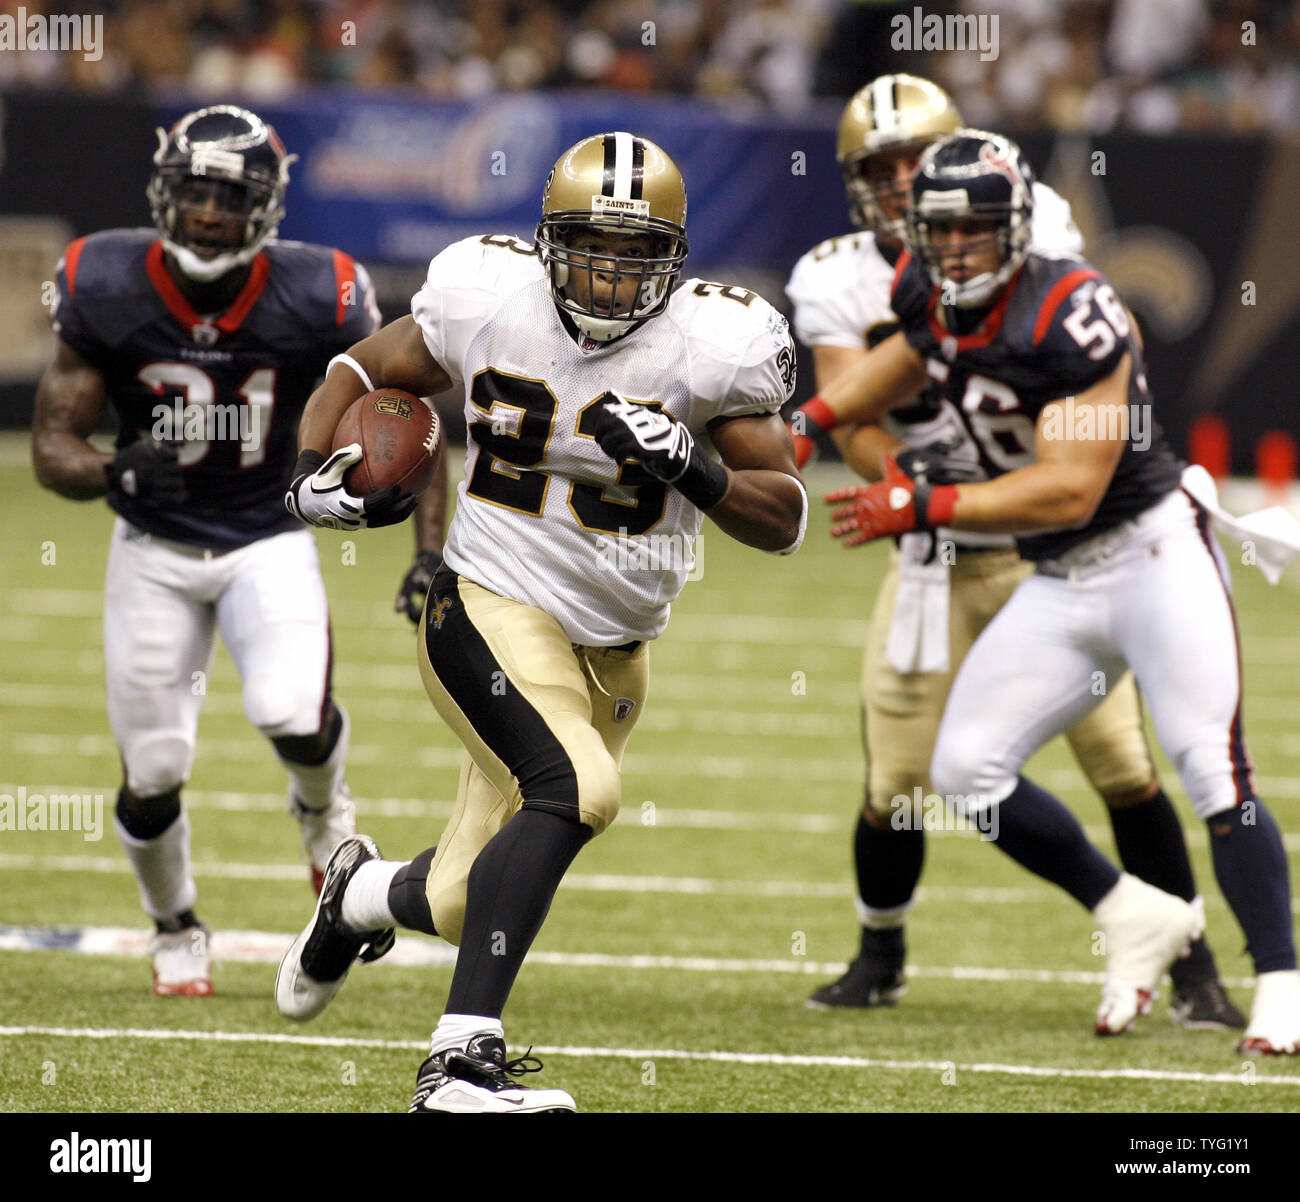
(401, 442)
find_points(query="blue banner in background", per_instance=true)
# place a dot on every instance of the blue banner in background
(393, 180)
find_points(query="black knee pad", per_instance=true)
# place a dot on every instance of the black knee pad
(146, 818)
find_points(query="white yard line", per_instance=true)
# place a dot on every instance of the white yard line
(604, 882)
(656, 1054)
(634, 815)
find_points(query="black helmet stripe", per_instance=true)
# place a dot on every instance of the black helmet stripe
(611, 156)
(624, 163)
(638, 168)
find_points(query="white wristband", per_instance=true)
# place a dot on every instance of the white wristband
(355, 366)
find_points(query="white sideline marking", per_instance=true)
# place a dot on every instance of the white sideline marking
(266, 947)
(715, 1057)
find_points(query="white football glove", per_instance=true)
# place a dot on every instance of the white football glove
(662, 446)
(318, 496)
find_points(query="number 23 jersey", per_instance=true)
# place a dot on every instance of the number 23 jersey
(543, 515)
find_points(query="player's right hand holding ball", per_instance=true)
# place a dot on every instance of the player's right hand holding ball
(319, 497)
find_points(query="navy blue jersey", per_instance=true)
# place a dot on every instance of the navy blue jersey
(1056, 330)
(230, 387)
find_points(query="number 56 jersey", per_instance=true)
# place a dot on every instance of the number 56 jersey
(1056, 330)
(543, 515)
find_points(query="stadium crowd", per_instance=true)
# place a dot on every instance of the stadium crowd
(1094, 65)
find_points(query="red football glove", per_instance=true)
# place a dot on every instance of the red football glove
(812, 418)
(895, 505)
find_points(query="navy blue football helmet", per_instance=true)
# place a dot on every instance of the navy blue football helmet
(228, 166)
(976, 176)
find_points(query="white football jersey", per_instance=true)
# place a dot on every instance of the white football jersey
(544, 516)
(841, 292)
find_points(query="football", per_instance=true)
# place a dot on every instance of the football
(401, 442)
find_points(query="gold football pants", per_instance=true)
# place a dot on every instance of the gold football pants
(544, 722)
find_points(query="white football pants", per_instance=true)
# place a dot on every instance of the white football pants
(162, 608)
(1153, 595)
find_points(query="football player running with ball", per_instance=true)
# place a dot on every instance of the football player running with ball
(608, 414)
(206, 338)
(942, 587)
(1038, 355)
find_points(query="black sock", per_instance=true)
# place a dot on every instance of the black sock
(145, 818)
(1039, 833)
(178, 922)
(884, 943)
(1150, 842)
(509, 892)
(1251, 866)
(888, 864)
(1151, 846)
(406, 894)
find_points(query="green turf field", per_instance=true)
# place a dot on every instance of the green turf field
(672, 971)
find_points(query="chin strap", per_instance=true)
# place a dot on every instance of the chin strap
(205, 271)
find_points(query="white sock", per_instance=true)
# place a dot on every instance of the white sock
(365, 900)
(881, 920)
(456, 1030)
(316, 784)
(162, 868)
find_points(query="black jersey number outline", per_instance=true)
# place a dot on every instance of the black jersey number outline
(742, 295)
(513, 436)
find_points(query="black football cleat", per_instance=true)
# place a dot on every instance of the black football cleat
(476, 1079)
(875, 978)
(1205, 1006)
(314, 967)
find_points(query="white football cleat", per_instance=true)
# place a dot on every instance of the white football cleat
(1145, 931)
(476, 1079)
(314, 967)
(1274, 1028)
(182, 962)
(323, 830)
